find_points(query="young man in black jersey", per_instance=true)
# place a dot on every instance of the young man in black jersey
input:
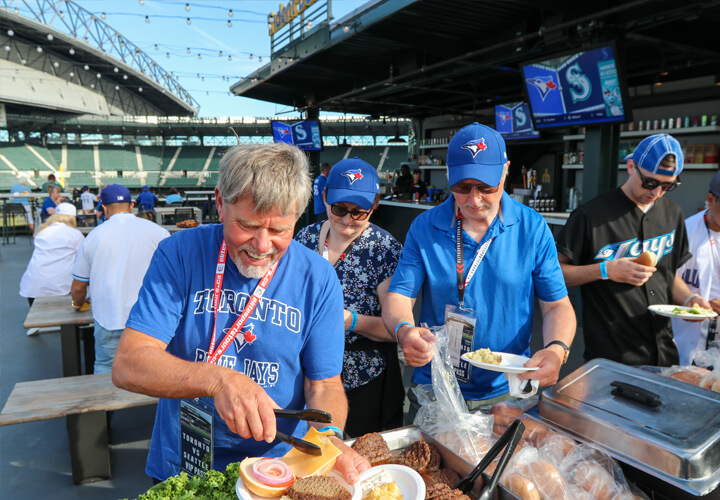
(597, 249)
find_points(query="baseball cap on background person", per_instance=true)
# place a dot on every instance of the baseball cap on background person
(476, 152)
(715, 185)
(146, 188)
(652, 150)
(66, 209)
(115, 193)
(353, 180)
(85, 188)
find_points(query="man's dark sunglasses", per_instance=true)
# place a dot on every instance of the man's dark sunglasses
(651, 184)
(462, 188)
(341, 211)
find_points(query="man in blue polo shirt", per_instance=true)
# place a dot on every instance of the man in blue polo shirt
(318, 189)
(505, 257)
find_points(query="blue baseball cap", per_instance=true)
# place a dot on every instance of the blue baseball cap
(115, 193)
(476, 152)
(145, 188)
(715, 184)
(85, 188)
(353, 180)
(652, 150)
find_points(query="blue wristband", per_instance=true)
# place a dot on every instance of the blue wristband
(603, 270)
(336, 430)
(397, 328)
(353, 323)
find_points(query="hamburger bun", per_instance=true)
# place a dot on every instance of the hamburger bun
(689, 377)
(647, 259)
(593, 478)
(505, 413)
(522, 487)
(548, 481)
(254, 485)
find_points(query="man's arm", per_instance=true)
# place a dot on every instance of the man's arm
(142, 365)
(559, 323)
(416, 342)
(329, 395)
(681, 293)
(78, 292)
(624, 270)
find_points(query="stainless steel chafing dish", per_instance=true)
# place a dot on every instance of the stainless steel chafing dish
(663, 427)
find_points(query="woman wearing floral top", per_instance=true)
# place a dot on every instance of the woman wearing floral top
(364, 257)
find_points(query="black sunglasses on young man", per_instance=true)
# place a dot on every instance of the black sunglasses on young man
(651, 184)
(340, 211)
(463, 188)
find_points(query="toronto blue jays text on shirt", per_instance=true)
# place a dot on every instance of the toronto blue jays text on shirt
(659, 245)
(278, 313)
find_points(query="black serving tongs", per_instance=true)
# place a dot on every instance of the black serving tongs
(308, 415)
(510, 437)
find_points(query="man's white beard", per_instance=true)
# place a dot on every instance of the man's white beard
(253, 272)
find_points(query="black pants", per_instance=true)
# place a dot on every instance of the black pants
(30, 300)
(370, 411)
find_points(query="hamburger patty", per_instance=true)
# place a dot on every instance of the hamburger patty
(442, 491)
(373, 447)
(420, 456)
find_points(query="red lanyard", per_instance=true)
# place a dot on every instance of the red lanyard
(326, 251)
(214, 355)
(462, 281)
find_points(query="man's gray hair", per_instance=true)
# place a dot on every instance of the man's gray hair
(274, 176)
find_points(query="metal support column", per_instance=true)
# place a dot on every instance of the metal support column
(601, 160)
(70, 348)
(89, 450)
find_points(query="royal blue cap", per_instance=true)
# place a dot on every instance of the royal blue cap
(85, 188)
(476, 152)
(115, 193)
(651, 151)
(353, 180)
(145, 188)
(715, 184)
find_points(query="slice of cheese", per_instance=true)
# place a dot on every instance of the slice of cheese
(304, 465)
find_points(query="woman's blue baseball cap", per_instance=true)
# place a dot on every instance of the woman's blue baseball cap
(353, 180)
(476, 152)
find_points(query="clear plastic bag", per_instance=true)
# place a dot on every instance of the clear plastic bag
(443, 413)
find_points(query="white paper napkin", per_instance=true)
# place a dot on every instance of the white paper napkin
(519, 387)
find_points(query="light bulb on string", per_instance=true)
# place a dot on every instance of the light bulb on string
(220, 55)
(251, 56)
(72, 52)
(260, 59)
(199, 56)
(167, 54)
(156, 47)
(142, 2)
(230, 58)
(102, 15)
(10, 33)
(39, 50)
(346, 29)
(187, 7)
(188, 20)
(50, 37)
(147, 19)
(188, 50)
(229, 23)
(230, 14)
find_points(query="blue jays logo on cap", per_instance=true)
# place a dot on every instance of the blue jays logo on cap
(475, 146)
(543, 84)
(353, 175)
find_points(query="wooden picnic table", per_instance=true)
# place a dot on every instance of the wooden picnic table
(58, 312)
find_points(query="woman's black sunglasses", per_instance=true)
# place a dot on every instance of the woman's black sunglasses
(651, 184)
(341, 211)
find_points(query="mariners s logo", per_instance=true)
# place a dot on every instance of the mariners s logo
(543, 84)
(353, 175)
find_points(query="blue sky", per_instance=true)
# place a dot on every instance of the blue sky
(207, 35)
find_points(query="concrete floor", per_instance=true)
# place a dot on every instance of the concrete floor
(34, 457)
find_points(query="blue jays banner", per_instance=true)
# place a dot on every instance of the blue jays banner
(304, 134)
(576, 89)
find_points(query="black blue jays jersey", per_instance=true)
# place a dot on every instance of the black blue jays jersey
(616, 322)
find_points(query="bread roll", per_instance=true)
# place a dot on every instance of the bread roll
(522, 487)
(593, 478)
(716, 386)
(505, 413)
(255, 486)
(689, 377)
(548, 481)
(647, 259)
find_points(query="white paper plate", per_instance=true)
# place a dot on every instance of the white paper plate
(244, 494)
(666, 310)
(511, 363)
(410, 482)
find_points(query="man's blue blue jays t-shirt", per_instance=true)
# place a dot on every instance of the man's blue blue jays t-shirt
(296, 331)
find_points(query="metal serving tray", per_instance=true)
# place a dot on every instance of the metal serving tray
(399, 439)
(677, 441)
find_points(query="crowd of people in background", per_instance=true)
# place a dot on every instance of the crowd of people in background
(214, 318)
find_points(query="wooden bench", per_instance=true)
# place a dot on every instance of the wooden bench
(84, 402)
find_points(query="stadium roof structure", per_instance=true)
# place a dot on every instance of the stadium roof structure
(63, 61)
(420, 58)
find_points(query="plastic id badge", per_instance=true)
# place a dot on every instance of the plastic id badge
(196, 445)
(460, 326)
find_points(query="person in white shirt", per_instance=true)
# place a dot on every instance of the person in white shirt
(88, 200)
(702, 275)
(112, 263)
(49, 272)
